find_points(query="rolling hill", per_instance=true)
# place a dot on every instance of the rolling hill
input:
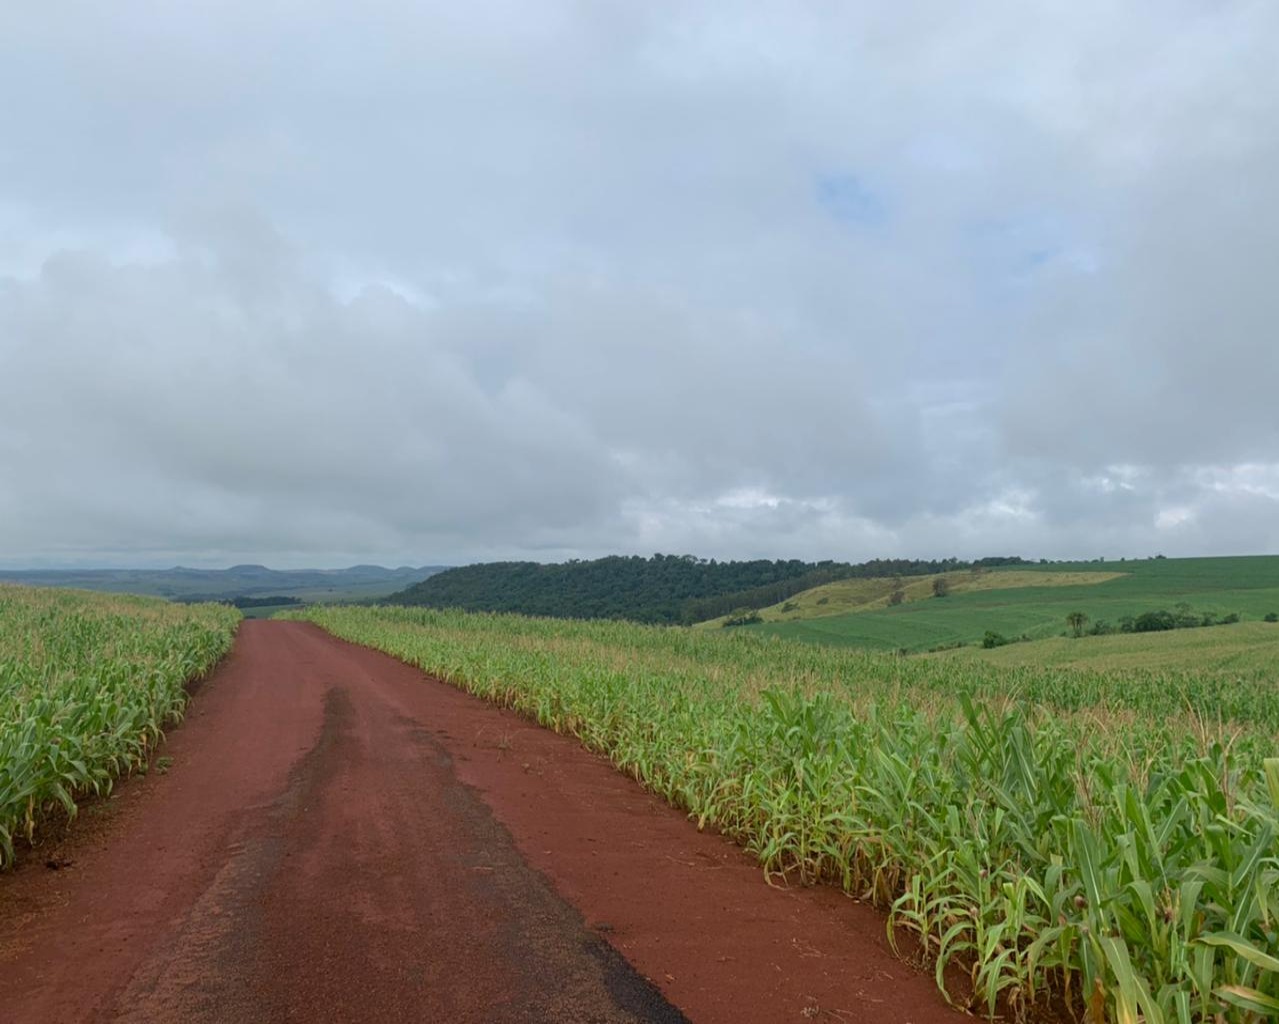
(357, 583)
(663, 589)
(1031, 601)
(1243, 650)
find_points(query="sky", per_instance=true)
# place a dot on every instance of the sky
(424, 283)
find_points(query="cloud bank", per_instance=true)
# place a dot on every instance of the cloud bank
(438, 284)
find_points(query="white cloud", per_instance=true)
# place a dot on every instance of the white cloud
(442, 282)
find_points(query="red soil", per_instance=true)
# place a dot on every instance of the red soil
(341, 839)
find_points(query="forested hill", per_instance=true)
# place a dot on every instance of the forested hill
(661, 589)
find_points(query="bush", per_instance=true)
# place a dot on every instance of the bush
(897, 597)
(993, 639)
(1185, 618)
(789, 606)
(1154, 622)
(941, 586)
(742, 617)
(1157, 621)
(1272, 616)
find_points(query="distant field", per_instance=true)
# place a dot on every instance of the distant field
(1011, 604)
(1246, 650)
(864, 595)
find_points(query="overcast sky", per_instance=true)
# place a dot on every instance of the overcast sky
(318, 283)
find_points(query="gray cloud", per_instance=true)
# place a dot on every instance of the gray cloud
(438, 283)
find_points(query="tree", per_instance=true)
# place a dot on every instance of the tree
(1077, 621)
(1154, 622)
(941, 586)
(1186, 617)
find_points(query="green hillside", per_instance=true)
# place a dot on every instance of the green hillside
(618, 587)
(1248, 586)
(1244, 651)
(864, 595)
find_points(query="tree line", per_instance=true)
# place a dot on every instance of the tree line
(663, 589)
(1157, 621)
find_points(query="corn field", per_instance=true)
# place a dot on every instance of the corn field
(87, 681)
(1102, 843)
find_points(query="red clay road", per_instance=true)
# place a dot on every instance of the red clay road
(340, 838)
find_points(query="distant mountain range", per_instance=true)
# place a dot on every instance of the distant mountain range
(358, 583)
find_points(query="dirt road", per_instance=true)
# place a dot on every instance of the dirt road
(340, 839)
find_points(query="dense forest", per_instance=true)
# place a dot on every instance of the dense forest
(665, 589)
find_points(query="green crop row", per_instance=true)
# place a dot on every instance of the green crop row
(1104, 840)
(87, 681)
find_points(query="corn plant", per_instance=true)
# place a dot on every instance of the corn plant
(87, 682)
(1107, 841)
